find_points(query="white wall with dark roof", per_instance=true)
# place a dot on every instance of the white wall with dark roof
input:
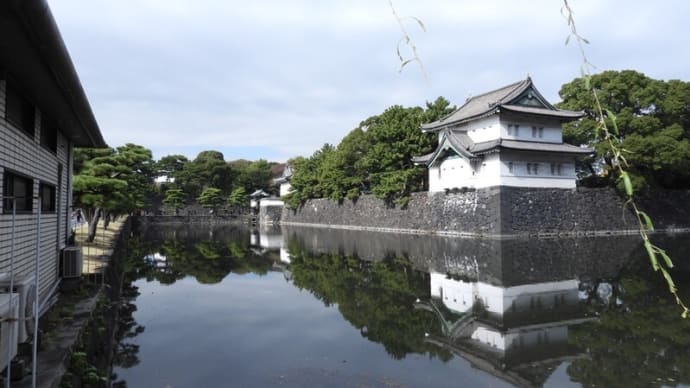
(550, 133)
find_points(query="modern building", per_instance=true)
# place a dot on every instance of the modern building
(510, 136)
(44, 114)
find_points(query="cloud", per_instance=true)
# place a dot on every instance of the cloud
(274, 79)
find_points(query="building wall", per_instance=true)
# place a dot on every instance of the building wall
(270, 210)
(482, 130)
(24, 155)
(450, 173)
(504, 169)
(285, 188)
(551, 132)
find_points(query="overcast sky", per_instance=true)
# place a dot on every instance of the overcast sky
(278, 78)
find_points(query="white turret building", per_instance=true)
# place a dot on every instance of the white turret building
(510, 136)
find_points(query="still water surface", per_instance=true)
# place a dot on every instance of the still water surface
(298, 307)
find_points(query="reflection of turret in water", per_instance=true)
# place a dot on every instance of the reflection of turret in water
(506, 305)
(503, 329)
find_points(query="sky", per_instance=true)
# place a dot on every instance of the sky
(275, 79)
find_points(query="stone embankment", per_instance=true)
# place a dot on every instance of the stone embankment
(499, 212)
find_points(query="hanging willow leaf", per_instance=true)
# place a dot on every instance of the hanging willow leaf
(664, 255)
(612, 117)
(669, 280)
(647, 220)
(421, 25)
(652, 254)
(627, 183)
(402, 65)
(684, 314)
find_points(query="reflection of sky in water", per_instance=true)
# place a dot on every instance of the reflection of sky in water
(261, 330)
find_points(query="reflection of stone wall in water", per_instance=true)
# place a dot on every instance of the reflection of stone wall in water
(498, 211)
(505, 262)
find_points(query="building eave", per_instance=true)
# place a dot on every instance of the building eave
(33, 53)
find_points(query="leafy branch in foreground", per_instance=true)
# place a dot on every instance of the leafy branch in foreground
(408, 41)
(658, 257)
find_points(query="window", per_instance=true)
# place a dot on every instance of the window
(533, 168)
(541, 132)
(517, 130)
(48, 134)
(19, 111)
(47, 194)
(529, 168)
(510, 129)
(510, 167)
(555, 169)
(19, 189)
(534, 131)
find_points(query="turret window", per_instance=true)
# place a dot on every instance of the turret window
(556, 169)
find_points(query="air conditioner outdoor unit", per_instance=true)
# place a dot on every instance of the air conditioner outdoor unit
(72, 262)
(8, 329)
(25, 286)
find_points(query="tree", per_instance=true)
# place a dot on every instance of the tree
(374, 157)
(211, 198)
(115, 181)
(238, 198)
(170, 166)
(652, 121)
(208, 169)
(254, 175)
(174, 198)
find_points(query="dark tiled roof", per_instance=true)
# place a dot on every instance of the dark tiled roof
(530, 146)
(489, 103)
(567, 114)
(463, 145)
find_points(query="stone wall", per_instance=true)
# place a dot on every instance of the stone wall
(504, 211)
(471, 213)
(501, 262)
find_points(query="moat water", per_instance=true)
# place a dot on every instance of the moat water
(306, 307)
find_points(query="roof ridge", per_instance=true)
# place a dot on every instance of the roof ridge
(514, 85)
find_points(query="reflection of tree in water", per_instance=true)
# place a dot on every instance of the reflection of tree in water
(375, 297)
(208, 257)
(641, 341)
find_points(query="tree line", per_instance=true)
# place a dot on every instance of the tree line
(122, 180)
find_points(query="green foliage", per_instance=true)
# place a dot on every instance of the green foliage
(628, 348)
(254, 175)
(373, 158)
(171, 165)
(238, 198)
(208, 257)
(651, 122)
(116, 179)
(377, 298)
(211, 198)
(174, 198)
(208, 169)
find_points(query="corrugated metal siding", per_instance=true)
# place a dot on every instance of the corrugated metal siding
(24, 155)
